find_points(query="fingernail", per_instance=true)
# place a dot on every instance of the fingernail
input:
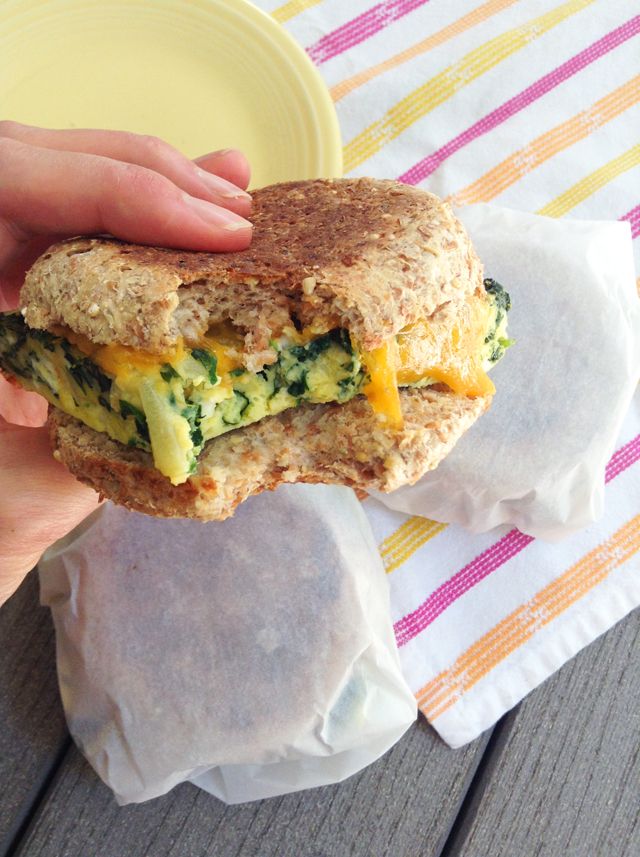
(216, 215)
(221, 187)
(214, 153)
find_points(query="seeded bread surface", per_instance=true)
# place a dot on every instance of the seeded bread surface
(344, 444)
(369, 255)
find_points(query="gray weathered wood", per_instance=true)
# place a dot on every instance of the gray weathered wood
(402, 805)
(563, 778)
(33, 730)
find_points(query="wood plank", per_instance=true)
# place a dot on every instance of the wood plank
(33, 732)
(404, 804)
(564, 774)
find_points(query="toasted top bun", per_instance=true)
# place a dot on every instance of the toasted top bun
(367, 255)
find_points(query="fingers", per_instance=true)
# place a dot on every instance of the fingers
(198, 180)
(20, 407)
(228, 163)
(45, 190)
(13, 270)
(40, 501)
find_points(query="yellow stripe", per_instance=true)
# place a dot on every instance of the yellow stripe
(476, 16)
(435, 91)
(292, 8)
(445, 689)
(591, 183)
(425, 527)
(400, 534)
(406, 540)
(494, 182)
(421, 537)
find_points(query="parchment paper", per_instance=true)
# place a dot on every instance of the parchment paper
(536, 459)
(253, 657)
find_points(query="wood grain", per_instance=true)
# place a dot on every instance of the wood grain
(563, 777)
(404, 804)
(33, 731)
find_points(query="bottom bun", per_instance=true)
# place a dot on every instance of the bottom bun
(343, 444)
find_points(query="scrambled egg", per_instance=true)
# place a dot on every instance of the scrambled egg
(171, 404)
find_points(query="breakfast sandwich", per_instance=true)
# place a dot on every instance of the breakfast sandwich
(349, 344)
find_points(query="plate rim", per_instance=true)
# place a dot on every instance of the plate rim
(328, 144)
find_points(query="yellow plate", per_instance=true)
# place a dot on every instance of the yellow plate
(202, 74)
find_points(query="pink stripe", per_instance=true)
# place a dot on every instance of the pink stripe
(514, 105)
(361, 28)
(489, 560)
(633, 217)
(623, 458)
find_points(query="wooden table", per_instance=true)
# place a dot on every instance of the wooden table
(558, 777)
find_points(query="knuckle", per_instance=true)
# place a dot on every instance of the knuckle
(7, 149)
(154, 147)
(8, 127)
(130, 180)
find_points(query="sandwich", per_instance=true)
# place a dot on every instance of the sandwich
(349, 344)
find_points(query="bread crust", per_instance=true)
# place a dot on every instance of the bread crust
(368, 255)
(344, 444)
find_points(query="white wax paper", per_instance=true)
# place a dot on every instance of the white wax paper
(536, 459)
(253, 657)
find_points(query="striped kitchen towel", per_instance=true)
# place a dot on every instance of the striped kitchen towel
(533, 104)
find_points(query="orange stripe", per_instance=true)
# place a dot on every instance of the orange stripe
(476, 16)
(445, 689)
(547, 145)
(524, 622)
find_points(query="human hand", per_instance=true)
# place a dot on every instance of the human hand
(54, 184)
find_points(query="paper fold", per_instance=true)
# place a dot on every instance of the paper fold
(536, 460)
(253, 657)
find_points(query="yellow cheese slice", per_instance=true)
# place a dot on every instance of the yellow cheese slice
(460, 362)
(382, 390)
(120, 360)
(459, 365)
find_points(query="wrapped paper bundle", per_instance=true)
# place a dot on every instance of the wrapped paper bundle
(253, 657)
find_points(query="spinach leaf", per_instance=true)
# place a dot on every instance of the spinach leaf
(499, 294)
(234, 408)
(298, 388)
(129, 410)
(209, 361)
(168, 372)
(84, 371)
(193, 415)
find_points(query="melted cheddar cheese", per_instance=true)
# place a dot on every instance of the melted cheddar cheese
(382, 389)
(460, 364)
(121, 360)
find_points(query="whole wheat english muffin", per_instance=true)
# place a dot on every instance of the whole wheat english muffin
(348, 344)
